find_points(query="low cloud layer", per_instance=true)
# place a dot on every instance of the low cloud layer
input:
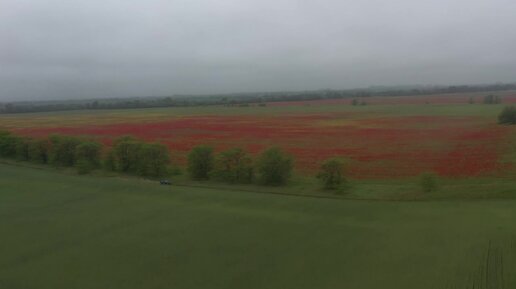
(59, 49)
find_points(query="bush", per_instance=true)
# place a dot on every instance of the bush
(332, 174)
(126, 152)
(200, 162)
(62, 150)
(39, 150)
(508, 115)
(22, 149)
(274, 166)
(109, 162)
(174, 170)
(234, 166)
(8, 144)
(87, 157)
(153, 160)
(428, 182)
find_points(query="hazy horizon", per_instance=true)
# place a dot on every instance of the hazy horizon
(62, 50)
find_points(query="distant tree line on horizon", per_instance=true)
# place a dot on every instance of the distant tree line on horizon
(242, 99)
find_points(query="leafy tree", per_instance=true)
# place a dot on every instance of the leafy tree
(428, 182)
(508, 115)
(234, 166)
(87, 156)
(8, 144)
(332, 174)
(153, 160)
(39, 150)
(62, 150)
(126, 152)
(109, 162)
(200, 162)
(274, 166)
(22, 148)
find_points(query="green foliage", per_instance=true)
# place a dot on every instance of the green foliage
(492, 99)
(109, 161)
(429, 182)
(8, 144)
(200, 162)
(62, 150)
(22, 148)
(234, 166)
(39, 150)
(128, 155)
(332, 174)
(153, 160)
(126, 151)
(508, 115)
(174, 170)
(274, 166)
(87, 156)
(354, 102)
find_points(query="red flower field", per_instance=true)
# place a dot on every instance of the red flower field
(377, 147)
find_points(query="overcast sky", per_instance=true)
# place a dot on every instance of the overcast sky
(54, 49)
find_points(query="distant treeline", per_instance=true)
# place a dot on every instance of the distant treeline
(240, 99)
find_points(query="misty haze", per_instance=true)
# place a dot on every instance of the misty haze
(95, 49)
(234, 144)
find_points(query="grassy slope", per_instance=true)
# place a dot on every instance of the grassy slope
(65, 231)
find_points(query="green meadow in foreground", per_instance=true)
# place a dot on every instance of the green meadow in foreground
(64, 231)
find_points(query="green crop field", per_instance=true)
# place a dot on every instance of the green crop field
(60, 230)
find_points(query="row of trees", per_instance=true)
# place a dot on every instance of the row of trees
(272, 166)
(55, 150)
(127, 154)
(132, 156)
(492, 99)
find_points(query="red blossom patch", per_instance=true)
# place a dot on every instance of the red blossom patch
(377, 147)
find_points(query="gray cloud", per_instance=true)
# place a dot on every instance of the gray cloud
(115, 48)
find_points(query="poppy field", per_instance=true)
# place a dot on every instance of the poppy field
(405, 138)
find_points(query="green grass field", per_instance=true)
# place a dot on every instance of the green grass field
(59, 230)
